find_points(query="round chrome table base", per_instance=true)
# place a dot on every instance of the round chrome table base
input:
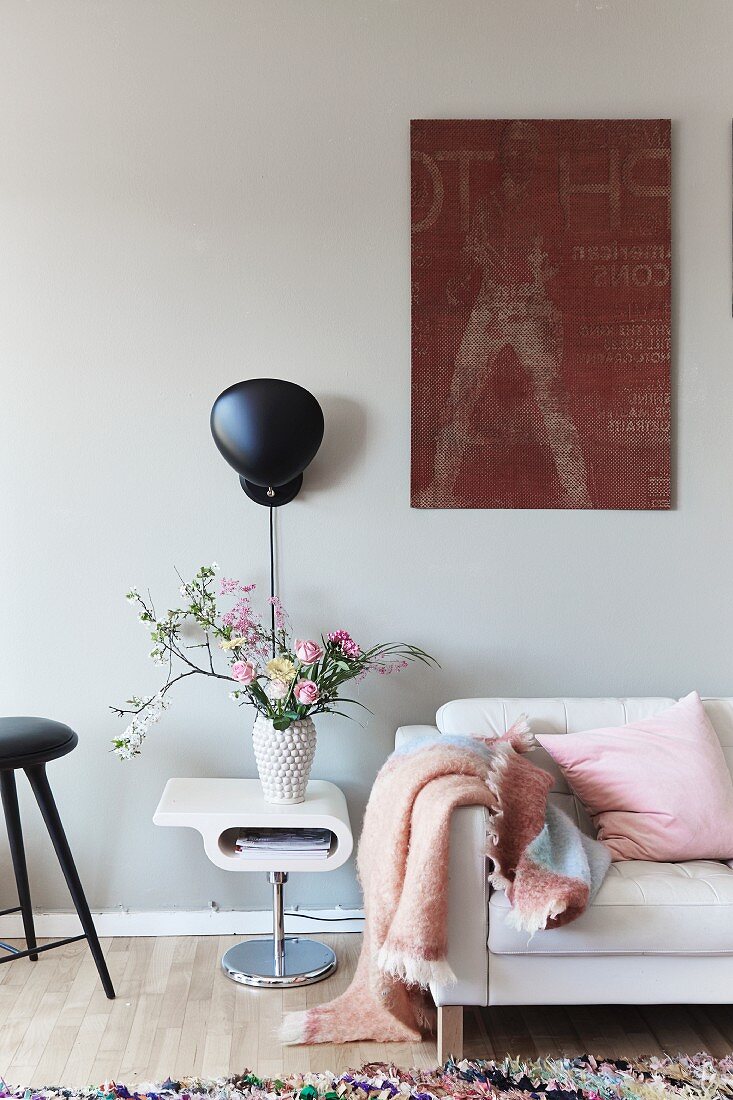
(280, 961)
(303, 962)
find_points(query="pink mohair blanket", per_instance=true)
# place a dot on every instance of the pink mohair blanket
(548, 869)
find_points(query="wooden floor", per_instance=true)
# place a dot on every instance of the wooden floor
(176, 1014)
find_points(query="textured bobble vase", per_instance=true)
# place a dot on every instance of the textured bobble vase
(284, 758)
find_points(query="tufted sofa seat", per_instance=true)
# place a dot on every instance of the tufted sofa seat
(641, 909)
(655, 933)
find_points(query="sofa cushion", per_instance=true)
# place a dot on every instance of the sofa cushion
(657, 788)
(642, 908)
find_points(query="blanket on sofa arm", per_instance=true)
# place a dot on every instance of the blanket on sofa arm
(549, 869)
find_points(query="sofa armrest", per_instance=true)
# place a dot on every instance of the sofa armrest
(405, 734)
(468, 910)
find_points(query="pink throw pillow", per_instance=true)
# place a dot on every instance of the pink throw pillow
(658, 789)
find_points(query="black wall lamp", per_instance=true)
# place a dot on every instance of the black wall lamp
(268, 430)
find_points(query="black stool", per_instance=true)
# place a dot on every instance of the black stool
(29, 743)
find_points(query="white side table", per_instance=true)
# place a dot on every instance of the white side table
(220, 809)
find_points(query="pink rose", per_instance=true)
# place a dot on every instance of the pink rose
(306, 692)
(244, 672)
(307, 652)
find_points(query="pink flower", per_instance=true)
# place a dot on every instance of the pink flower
(244, 672)
(279, 612)
(343, 640)
(390, 667)
(228, 585)
(307, 652)
(306, 692)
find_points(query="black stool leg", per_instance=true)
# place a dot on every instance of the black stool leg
(39, 782)
(9, 795)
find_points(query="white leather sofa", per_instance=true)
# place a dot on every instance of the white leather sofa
(655, 933)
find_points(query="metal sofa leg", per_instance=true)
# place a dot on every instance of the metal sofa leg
(450, 1033)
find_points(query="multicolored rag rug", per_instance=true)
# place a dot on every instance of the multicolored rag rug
(697, 1077)
(549, 870)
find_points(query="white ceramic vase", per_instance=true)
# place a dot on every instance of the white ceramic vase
(284, 758)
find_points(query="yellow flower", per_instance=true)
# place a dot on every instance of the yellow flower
(281, 668)
(233, 643)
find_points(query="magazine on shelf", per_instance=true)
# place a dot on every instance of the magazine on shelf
(295, 843)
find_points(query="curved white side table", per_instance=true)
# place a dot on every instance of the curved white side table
(219, 809)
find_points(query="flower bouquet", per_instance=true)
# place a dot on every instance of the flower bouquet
(286, 679)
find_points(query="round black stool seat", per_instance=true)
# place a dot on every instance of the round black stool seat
(28, 741)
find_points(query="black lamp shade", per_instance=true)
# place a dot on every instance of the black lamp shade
(268, 430)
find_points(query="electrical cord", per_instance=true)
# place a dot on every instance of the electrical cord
(326, 920)
(272, 577)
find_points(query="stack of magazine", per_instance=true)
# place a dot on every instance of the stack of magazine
(293, 843)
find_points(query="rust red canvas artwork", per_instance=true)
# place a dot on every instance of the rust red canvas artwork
(540, 314)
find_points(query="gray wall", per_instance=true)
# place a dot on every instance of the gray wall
(195, 192)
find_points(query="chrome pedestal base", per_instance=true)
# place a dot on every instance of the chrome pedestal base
(303, 963)
(278, 962)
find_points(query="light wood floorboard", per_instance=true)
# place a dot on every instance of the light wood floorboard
(177, 1014)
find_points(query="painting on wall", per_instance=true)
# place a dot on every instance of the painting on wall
(541, 314)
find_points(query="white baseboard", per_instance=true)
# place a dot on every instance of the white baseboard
(183, 922)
